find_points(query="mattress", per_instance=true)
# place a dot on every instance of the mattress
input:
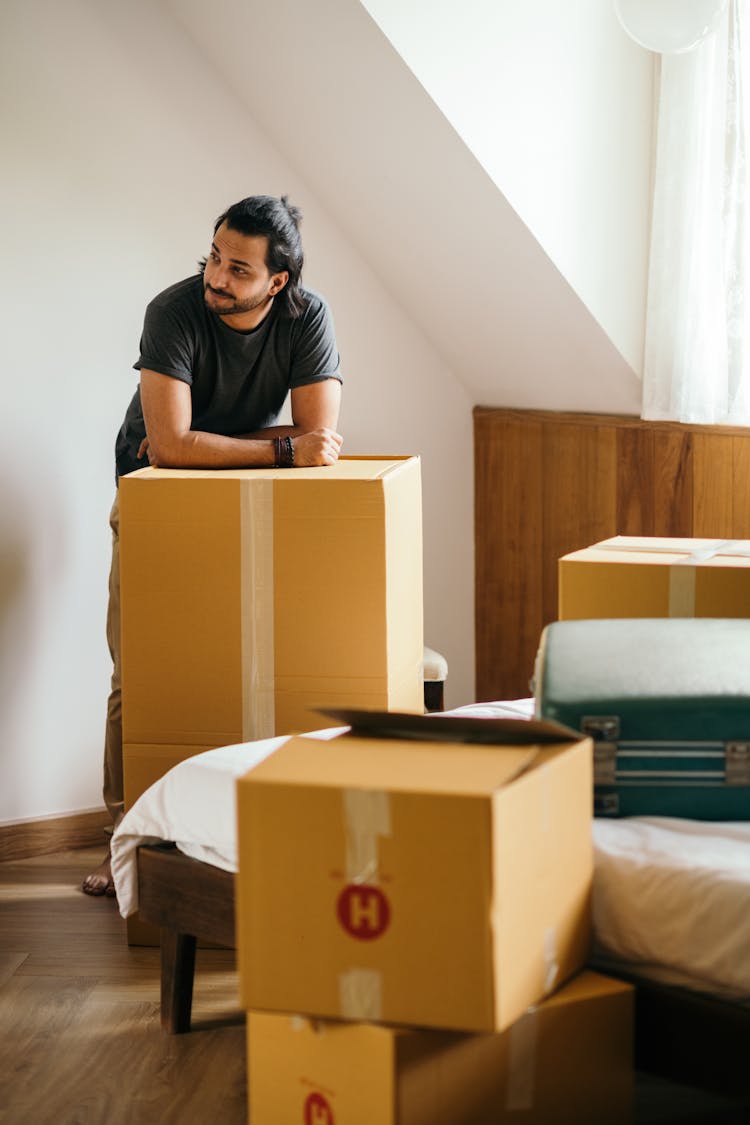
(671, 901)
(671, 897)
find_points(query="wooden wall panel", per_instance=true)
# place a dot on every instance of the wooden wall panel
(740, 488)
(508, 485)
(672, 482)
(579, 495)
(635, 474)
(548, 483)
(712, 486)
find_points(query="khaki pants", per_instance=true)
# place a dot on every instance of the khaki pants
(113, 792)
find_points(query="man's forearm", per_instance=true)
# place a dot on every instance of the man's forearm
(197, 449)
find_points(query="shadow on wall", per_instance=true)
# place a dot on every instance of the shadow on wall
(16, 548)
(31, 561)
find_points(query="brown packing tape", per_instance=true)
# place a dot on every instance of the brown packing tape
(361, 994)
(551, 962)
(682, 582)
(367, 816)
(257, 609)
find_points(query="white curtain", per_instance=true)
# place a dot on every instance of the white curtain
(697, 356)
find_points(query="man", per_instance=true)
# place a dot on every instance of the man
(220, 351)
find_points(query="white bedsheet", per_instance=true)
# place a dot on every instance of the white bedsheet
(193, 804)
(671, 902)
(671, 898)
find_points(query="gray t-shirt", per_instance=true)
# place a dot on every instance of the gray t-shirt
(238, 380)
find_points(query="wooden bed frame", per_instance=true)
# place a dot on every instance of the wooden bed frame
(189, 901)
(679, 1035)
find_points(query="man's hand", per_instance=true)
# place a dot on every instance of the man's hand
(319, 447)
(143, 449)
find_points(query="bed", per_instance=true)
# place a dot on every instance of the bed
(671, 904)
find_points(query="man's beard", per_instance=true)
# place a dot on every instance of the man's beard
(228, 306)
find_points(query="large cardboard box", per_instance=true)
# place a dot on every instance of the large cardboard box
(252, 597)
(567, 1062)
(641, 576)
(436, 884)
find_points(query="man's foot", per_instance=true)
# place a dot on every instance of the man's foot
(99, 882)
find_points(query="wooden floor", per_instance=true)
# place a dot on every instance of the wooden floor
(80, 1041)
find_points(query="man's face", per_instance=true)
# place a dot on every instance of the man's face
(236, 280)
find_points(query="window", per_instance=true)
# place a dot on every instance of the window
(697, 357)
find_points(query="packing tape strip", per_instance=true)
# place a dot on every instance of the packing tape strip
(551, 963)
(739, 548)
(256, 568)
(361, 994)
(367, 815)
(682, 581)
(522, 1052)
(307, 1023)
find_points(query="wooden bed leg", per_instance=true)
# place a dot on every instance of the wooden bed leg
(177, 972)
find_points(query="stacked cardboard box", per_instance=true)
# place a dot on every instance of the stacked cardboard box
(413, 895)
(565, 1062)
(641, 576)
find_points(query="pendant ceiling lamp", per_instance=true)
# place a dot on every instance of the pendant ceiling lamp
(669, 26)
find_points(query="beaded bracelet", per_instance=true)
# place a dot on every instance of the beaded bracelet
(283, 450)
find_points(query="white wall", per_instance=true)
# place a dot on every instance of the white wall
(414, 200)
(120, 145)
(556, 102)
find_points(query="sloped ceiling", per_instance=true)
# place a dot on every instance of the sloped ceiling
(326, 85)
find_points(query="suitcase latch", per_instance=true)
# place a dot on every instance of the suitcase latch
(604, 730)
(737, 763)
(606, 804)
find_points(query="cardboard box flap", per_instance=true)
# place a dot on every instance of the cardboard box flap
(452, 728)
(394, 765)
(586, 986)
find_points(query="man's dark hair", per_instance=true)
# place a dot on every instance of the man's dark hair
(278, 220)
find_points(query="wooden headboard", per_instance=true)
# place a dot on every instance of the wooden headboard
(548, 483)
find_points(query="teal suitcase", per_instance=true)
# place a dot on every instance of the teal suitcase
(667, 703)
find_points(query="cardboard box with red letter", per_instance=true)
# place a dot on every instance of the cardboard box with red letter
(566, 1062)
(430, 883)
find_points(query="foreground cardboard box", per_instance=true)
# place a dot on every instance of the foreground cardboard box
(430, 883)
(629, 576)
(567, 1062)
